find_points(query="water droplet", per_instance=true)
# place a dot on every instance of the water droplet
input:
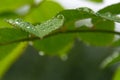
(30, 43)
(104, 19)
(64, 57)
(85, 9)
(28, 27)
(33, 29)
(60, 16)
(10, 21)
(118, 16)
(84, 22)
(41, 53)
(16, 22)
(108, 14)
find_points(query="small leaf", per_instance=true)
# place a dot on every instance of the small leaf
(109, 16)
(112, 59)
(55, 45)
(39, 30)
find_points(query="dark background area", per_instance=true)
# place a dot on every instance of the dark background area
(83, 63)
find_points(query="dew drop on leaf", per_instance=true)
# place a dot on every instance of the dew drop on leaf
(41, 53)
(64, 57)
(85, 9)
(60, 16)
(30, 43)
(28, 26)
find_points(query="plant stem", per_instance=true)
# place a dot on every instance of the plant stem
(61, 32)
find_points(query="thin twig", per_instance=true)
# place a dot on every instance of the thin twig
(61, 32)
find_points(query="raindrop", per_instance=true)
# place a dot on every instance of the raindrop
(108, 14)
(30, 43)
(10, 21)
(85, 9)
(64, 57)
(60, 16)
(41, 53)
(33, 29)
(17, 21)
(84, 22)
(28, 27)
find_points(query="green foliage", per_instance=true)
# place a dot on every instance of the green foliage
(52, 30)
(39, 30)
(112, 59)
(96, 0)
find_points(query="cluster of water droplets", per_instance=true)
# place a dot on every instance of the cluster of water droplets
(14, 22)
(41, 53)
(64, 57)
(109, 16)
(39, 30)
(50, 25)
(85, 9)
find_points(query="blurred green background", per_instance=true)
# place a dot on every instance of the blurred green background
(83, 63)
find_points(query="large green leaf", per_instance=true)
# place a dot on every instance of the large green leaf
(55, 45)
(98, 38)
(11, 5)
(45, 11)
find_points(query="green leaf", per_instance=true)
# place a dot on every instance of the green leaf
(39, 30)
(116, 43)
(109, 16)
(43, 12)
(9, 54)
(117, 74)
(77, 14)
(55, 45)
(96, 0)
(112, 59)
(8, 35)
(113, 9)
(12, 5)
(98, 38)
